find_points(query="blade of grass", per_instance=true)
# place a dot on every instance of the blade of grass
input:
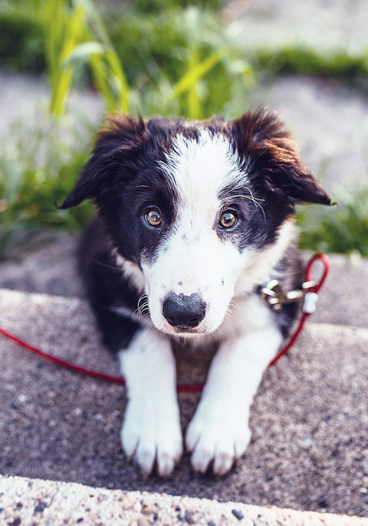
(198, 71)
(118, 74)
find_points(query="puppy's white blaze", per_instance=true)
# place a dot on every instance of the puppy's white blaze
(201, 267)
(200, 170)
(195, 259)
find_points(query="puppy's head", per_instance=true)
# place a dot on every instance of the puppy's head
(204, 209)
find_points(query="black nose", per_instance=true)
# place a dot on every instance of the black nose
(184, 312)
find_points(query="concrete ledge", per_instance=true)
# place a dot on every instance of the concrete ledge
(309, 420)
(26, 502)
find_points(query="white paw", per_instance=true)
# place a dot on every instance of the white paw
(152, 434)
(221, 437)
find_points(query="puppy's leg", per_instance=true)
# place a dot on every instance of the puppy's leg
(151, 429)
(219, 430)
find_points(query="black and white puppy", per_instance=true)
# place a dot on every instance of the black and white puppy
(193, 218)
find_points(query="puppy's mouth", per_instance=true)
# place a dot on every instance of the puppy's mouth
(178, 331)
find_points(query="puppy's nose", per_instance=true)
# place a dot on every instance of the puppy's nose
(184, 312)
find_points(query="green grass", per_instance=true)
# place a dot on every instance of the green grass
(159, 6)
(183, 62)
(336, 64)
(38, 167)
(342, 229)
(21, 42)
(146, 36)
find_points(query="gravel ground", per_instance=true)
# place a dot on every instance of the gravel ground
(309, 421)
(330, 123)
(50, 269)
(329, 24)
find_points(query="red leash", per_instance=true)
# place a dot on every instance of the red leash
(307, 311)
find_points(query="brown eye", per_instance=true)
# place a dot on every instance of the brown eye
(153, 218)
(228, 220)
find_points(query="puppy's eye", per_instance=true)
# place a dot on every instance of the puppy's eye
(228, 220)
(153, 218)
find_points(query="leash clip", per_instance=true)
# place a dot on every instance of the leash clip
(275, 297)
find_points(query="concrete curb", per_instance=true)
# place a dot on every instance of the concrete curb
(28, 502)
(309, 420)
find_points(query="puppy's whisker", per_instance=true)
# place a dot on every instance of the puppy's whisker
(141, 311)
(144, 306)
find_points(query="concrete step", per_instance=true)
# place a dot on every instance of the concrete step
(25, 501)
(52, 270)
(342, 300)
(309, 420)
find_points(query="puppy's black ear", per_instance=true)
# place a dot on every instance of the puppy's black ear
(272, 160)
(112, 162)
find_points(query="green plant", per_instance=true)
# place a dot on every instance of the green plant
(21, 43)
(37, 169)
(300, 59)
(342, 229)
(62, 36)
(158, 6)
(74, 33)
(177, 61)
(183, 62)
(21, 40)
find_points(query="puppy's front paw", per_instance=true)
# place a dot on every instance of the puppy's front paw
(150, 433)
(221, 437)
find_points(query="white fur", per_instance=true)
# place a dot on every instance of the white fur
(131, 271)
(151, 429)
(200, 264)
(199, 170)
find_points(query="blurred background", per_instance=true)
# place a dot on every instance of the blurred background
(64, 63)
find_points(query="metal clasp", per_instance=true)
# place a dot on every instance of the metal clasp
(274, 295)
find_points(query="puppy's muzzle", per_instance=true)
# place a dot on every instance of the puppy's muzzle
(184, 312)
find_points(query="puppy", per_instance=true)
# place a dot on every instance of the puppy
(194, 218)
